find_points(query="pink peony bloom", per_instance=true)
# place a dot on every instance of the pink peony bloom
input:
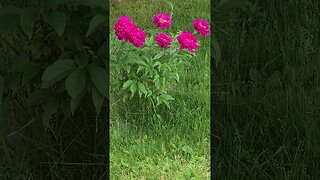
(202, 27)
(187, 40)
(138, 38)
(163, 40)
(162, 20)
(128, 31)
(124, 28)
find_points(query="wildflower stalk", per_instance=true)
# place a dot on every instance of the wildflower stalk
(171, 13)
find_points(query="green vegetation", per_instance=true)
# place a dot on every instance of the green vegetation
(178, 146)
(53, 85)
(266, 93)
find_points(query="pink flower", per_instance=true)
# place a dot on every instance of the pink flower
(202, 27)
(162, 20)
(128, 31)
(163, 40)
(187, 40)
(138, 38)
(124, 28)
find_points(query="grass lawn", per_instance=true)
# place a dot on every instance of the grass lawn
(266, 93)
(178, 147)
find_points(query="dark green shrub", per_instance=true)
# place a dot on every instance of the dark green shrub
(53, 60)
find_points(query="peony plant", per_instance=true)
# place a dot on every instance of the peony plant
(146, 63)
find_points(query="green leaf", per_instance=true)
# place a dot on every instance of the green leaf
(132, 58)
(142, 88)
(96, 22)
(29, 74)
(57, 71)
(82, 59)
(149, 41)
(159, 55)
(75, 83)
(149, 93)
(50, 108)
(99, 78)
(177, 77)
(135, 61)
(159, 117)
(29, 70)
(140, 68)
(133, 89)
(127, 84)
(127, 68)
(166, 97)
(166, 103)
(140, 93)
(1, 88)
(159, 101)
(57, 20)
(28, 17)
(156, 64)
(97, 100)
(74, 103)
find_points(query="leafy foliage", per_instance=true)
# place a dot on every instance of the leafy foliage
(148, 72)
(57, 45)
(52, 66)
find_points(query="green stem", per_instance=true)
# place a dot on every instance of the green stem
(154, 107)
(171, 13)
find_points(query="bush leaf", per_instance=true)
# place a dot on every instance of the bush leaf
(57, 20)
(166, 97)
(127, 84)
(74, 103)
(99, 78)
(142, 88)
(28, 16)
(57, 71)
(96, 22)
(75, 83)
(29, 74)
(133, 88)
(97, 100)
(159, 55)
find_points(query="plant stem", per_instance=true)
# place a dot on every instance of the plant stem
(154, 107)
